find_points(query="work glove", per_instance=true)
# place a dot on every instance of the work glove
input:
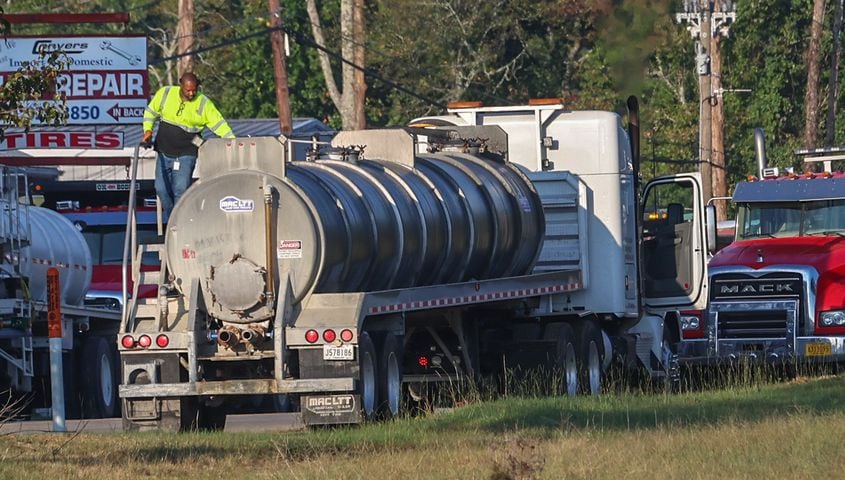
(147, 142)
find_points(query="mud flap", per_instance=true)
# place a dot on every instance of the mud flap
(331, 409)
(141, 409)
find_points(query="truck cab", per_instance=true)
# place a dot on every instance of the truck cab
(778, 293)
(98, 210)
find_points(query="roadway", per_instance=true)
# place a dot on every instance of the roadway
(266, 422)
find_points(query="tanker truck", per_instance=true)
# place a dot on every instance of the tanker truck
(375, 269)
(33, 240)
(778, 291)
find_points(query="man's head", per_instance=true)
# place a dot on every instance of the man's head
(188, 84)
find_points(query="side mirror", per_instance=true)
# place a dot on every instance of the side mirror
(710, 225)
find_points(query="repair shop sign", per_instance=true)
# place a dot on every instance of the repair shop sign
(58, 139)
(106, 81)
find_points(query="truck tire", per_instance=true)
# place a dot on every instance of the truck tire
(390, 378)
(368, 375)
(99, 379)
(73, 390)
(591, 358)
(566, 359)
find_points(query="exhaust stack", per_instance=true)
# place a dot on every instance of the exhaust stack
(760, 148)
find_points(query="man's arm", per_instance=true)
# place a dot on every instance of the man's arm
(152, 113)
(215, 121)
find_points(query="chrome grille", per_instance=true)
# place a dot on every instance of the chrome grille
(752, 325)
(752, 317)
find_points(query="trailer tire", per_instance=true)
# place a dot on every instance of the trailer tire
(390, 376)
(566, 359)
(99, 384)
(367, 375)
(72, 390)
(591, 356)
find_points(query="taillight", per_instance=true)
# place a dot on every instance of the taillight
(311, 336)
(346, 335)
(329, 336)
(162, 341)
(144, 341)
(422, 361)
(127, 341)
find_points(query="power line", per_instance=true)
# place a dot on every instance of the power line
(216, 46)
(369, 72)
(301, 39)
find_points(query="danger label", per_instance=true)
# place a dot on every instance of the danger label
(290, 249)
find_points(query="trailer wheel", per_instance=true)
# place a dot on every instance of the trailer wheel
(99, 384)
(390, 370)
(368, 377)
(566, 359)
(591, 356)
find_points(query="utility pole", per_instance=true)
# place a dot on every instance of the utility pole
(280, 71)
(185, 36)
(704, 24)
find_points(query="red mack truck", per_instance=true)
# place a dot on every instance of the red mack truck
(778, 291)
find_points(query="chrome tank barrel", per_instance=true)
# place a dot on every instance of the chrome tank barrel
(55, 242)
(353, 225)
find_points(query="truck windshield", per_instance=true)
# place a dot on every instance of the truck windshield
(106, 244)
(794, 219)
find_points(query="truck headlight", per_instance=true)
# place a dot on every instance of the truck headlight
(833, 317)
(690, 322)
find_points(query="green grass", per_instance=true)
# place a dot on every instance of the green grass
(761, 430)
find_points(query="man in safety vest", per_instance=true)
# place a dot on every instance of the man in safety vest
(182, 112)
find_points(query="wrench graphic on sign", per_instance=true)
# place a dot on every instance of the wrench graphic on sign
(133, 59)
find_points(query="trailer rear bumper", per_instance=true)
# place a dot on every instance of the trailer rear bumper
(805, 349)
(237, 387)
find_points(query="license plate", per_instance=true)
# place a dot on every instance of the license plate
(343, 352)
(818, 350)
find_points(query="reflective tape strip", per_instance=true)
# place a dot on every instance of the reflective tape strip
(45, 261)
(152, 112)
(469, 299)
(202, 105)
(164, 97)
(217, 125)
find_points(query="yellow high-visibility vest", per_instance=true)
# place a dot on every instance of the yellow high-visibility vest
(167, 106)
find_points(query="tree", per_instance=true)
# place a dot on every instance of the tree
(28, 95)
(811, 96)
(348, 100)
(766, 57)
(833, 87)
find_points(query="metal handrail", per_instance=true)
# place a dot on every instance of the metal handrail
(129, 240)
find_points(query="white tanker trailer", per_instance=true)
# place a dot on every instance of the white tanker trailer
(370, 267)
(33, 241)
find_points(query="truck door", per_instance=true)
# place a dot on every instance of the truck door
(674, 248)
